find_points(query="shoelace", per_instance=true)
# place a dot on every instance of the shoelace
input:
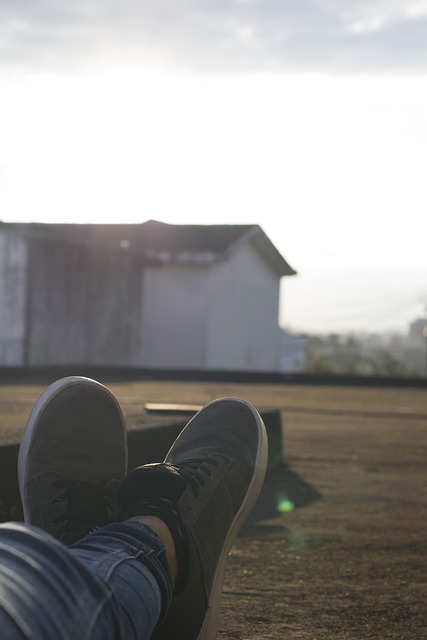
(195, 471)
(88, 506)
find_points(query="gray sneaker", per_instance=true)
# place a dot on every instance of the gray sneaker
(72, 458)
(204, 491)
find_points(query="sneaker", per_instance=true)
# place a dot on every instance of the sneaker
(72, 458)
(204, 491)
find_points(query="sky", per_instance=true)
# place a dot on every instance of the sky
(307, 117)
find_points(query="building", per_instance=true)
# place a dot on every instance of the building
(146, 295)
(293, 352)
(418, 331)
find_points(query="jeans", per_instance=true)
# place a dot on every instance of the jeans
(113, 584)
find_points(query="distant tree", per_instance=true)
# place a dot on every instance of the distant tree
(351, 354)
(385, 364)
(320, 363)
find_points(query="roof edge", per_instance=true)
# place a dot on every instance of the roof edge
(257, 236)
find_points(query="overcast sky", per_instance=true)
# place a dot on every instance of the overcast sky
(217, 35)
(306, 117)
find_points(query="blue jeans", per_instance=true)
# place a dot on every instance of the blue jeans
(113, 584)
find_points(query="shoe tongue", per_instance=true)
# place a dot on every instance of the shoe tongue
(161, 486)
(165, 480)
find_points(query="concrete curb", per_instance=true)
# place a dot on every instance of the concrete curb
(50, 373)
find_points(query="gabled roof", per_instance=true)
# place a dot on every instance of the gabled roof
(176, 238)
(158, 242)
(207, 243)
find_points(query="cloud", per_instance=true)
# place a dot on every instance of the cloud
(216, 35)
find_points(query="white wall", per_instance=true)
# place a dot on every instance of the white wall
(174, 300)
(223, 316)
(13, 269)
(242, 314)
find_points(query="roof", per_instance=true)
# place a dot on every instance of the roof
(158, 242)
(207, 243)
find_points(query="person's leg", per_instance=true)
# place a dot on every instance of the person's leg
(45, 594)
(72, 457)
(204, 491)
(201, 494)
(133, 560)
(114, 584)
(195, 503)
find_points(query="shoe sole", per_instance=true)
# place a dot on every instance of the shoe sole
(33, 421)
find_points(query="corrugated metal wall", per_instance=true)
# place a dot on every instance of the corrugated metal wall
(13, 270)
(84, 304)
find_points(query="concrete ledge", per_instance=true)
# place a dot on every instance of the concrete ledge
(149, 439)
(50, 373)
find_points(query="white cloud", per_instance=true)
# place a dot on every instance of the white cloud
(416, 10)
(381, 15)
(373, 23)
(228, 36)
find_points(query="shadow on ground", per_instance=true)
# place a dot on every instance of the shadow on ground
(283, 490)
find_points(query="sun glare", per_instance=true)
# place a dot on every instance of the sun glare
(126, 146)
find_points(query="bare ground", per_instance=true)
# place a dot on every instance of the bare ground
(345, 556)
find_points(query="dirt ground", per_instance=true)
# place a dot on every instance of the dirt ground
(336, 547)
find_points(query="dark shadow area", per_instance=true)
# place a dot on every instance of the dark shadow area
(112, 373)
(284, 490)
(10, 501)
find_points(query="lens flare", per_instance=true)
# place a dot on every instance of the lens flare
(284, 505)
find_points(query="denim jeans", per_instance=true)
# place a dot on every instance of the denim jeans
(114, 584)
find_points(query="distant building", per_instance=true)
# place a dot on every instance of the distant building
(147, 295)
(416, 347)
(418, 330)
(293, 356)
